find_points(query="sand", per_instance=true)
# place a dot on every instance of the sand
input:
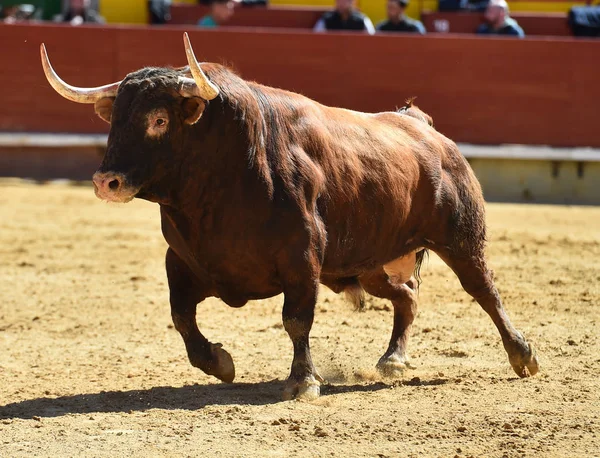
(90, 364)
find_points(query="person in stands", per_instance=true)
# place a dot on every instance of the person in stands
(221, 11)
(159, 11)
(79, 12)
(398, 21)
(11, 14)
(584, 21)
(498, 21)
(345, 16)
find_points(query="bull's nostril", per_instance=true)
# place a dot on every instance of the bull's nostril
(114, 185)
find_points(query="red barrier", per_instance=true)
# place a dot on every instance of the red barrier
(85, 57)
(533, 24)
(478, 89)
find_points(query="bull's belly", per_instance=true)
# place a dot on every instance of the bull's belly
(364, 239)
(368, 257)
(236, 291)
(400, 267)
(239, 298)
(237, 288)
(235, 285)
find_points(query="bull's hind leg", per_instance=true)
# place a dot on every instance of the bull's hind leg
(404, 299)
(477, 280)
(184, 297)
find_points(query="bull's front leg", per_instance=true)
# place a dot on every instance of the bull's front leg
(298, 315)
(300, 290)
(185, 294)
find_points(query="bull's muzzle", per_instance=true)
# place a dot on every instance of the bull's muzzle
(113, 187)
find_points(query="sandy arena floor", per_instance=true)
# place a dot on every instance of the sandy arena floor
(90, 364)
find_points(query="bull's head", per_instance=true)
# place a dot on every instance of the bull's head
(146, 110)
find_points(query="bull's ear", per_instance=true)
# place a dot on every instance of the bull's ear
(103, 108)
(192, 109)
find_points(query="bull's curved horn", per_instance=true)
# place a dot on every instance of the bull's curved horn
(206, 89)
(187, 87)
(75, 94)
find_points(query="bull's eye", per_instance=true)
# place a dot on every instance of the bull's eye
(157, 123)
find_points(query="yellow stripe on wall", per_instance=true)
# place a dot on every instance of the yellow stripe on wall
(543, 7)
(125, 12)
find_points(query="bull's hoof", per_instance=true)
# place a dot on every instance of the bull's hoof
(525, 364)
(393, 365)
(307, 389)
(218, 364)
(222, 365)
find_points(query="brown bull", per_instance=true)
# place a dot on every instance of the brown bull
(264, 191)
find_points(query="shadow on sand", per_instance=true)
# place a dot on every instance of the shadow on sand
(191, 397)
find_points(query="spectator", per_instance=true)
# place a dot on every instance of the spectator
(221, 11)
(80, 11)
(10, 14)
(398, 21)
(159, 11)
(498, 22)
(344, 17)
(16, 13)
(584, 21)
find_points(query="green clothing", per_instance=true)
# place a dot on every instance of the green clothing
(207, 21)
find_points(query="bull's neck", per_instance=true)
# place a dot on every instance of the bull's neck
(214, 167)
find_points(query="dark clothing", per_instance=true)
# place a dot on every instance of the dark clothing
(462, 5)
(243, 2)
(333, 21)
(160, 11)
(585, 21)
(406, 24)
(255, 3)
(510, 27)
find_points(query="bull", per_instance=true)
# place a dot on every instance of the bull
(264, 191)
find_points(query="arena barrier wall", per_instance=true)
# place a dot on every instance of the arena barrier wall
(479, 90)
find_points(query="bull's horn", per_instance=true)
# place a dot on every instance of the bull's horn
(206, 89)
(75, 94)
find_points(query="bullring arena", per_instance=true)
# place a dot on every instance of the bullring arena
(90, 361)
